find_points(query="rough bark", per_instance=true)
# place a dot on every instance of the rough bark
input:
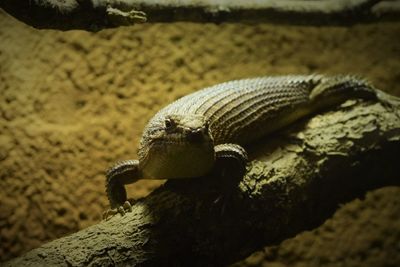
(93, 15)
(296, 180)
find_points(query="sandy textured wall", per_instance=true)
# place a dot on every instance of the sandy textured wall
(74, 102)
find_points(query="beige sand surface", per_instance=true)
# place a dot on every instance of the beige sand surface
(74, 102)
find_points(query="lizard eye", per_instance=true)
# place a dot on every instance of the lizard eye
(169, 124)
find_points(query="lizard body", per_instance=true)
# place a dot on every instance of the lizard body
(187, 138)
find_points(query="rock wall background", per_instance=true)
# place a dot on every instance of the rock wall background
(72, 103)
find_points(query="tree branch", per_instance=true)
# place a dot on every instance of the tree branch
(295, 181)
(93, 15)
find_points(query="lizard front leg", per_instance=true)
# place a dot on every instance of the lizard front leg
(230, 163)
(231, 158)
(122, 173)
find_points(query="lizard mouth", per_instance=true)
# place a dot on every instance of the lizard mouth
(190, 140)
(177, 158)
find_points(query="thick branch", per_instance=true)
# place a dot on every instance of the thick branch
(93, 15)
(297, 181)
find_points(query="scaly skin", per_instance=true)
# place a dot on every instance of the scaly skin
(186, 138)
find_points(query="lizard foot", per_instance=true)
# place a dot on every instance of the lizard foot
(123, 209)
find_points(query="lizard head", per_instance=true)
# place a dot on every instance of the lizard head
(176, 146)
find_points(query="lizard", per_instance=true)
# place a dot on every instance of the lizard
(188, 137)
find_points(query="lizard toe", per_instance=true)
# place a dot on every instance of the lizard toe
(123, 209)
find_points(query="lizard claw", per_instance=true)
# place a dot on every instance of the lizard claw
(123, 209)
(109, 213)
(127, 206)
